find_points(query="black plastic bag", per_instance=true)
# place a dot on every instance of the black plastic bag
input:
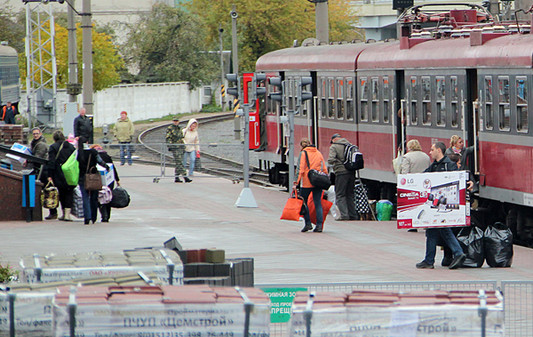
(471, 241)
(498, 245)
(121, 198)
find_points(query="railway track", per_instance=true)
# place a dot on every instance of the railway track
(221, 154)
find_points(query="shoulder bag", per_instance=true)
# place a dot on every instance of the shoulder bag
(317, 178)
(71, 169)
(93, 180)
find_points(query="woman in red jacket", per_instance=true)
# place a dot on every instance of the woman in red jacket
(316, 162)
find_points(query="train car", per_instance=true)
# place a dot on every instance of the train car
(451, 72)
(9, 76)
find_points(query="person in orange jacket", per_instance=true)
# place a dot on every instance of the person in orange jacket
(316, 162)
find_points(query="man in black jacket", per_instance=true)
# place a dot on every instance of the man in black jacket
(83, 126)
(441, 163)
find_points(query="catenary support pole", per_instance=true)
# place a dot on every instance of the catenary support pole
(87, 55)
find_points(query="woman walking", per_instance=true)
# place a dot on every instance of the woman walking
(310, 158)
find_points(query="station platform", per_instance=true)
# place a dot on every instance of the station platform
(202, 214)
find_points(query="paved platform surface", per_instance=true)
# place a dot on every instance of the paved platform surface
(202, 214)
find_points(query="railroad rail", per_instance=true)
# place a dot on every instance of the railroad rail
(151, 149)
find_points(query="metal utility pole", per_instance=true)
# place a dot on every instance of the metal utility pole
(222, 87)
(87, 55)
(73, 86)
(322, 21)
(41, 68)
(235, 61)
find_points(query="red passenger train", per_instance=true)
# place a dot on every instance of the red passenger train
(452, 72)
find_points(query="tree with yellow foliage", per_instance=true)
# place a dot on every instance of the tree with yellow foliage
(107, 62)
(264, 26)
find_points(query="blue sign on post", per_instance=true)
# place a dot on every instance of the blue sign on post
(28, 195)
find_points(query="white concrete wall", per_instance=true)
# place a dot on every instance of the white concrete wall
(145, 101)
(141, 101)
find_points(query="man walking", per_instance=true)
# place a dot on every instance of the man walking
(174, 137)
(83, 126)
(441, 163)
(344, 179)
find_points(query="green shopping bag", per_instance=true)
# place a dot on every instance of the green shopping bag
(71, 169)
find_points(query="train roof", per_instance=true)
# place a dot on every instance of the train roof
(514, 50)
(505, 50)
(324, 57)
(7, 51)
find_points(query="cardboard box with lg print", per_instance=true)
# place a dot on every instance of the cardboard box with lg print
(436, 199)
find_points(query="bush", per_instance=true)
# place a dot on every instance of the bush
(7, 274)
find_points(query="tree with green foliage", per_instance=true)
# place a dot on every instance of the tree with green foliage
(168, 45)
(264, 26)
(13, 28)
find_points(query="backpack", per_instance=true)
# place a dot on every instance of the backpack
(353, 159)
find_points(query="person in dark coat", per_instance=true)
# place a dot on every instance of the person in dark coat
(58, 153)
(83, 126)
(8, 113)
(88, 158)
(441, 164)
(105, 209)
(39, 149)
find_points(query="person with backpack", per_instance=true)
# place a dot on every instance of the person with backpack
(344, 179)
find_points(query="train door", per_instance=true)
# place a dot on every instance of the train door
(400, 112)
(312, 114)
(471, 120)
(253, 122)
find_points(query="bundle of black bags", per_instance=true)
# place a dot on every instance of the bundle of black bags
(495, 245)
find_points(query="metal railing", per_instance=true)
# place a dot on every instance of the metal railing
(518, 298)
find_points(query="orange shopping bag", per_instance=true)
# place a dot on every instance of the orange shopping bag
(326, 206)
(293, 207)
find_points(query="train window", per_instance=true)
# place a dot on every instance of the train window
(375, 99)
(440, 85)
(365, 93)
(454, 92)
(521, 104)
(323, 98)
(340, 98)
(386, 99)
(504, 112)
(489, 112)
(331, 98)
(414, 99)
(426, 100)
(349, 99)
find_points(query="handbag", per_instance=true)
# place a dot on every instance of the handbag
(293, 207)
(326, 206)
(317, 178)
(397, 162)
(71, 169)
(49, 196)
(121, 198)
(105, 195)
(93, 180)
(77, 203)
